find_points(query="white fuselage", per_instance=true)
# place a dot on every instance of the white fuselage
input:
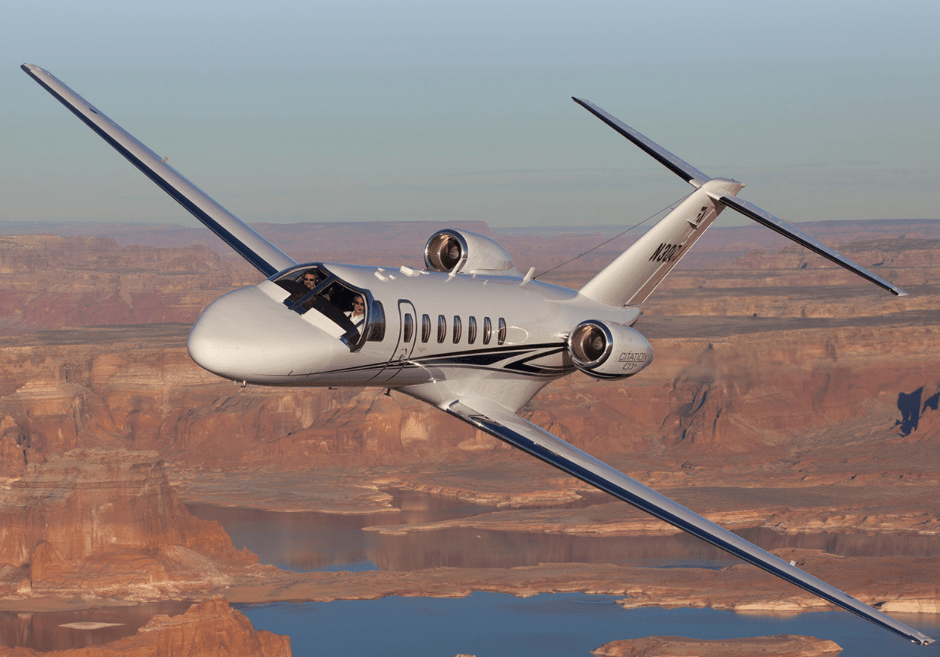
(251, 335)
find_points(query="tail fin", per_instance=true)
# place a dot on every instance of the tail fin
(633, 276)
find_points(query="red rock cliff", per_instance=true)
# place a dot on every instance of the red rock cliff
(107, 523)
(207, 628)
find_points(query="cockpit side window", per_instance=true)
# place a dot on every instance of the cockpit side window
(312, 287)
(375, 328)
(301, 281)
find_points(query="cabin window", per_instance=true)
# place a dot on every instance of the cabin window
(441, 328)
(487, 330)
(456, 329)
(425, 328)
(471, 330)
(408, 328)
(501, 334)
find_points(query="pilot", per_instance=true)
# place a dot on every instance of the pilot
(311, 279)
(358, 312)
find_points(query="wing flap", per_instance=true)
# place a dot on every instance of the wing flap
(509, 427)
(249, 244)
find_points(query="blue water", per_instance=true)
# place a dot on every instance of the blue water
(500, 625)
(490, 624)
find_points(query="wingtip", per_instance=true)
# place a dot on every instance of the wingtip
(31, 69)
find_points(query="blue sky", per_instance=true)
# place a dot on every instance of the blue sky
(414, 110)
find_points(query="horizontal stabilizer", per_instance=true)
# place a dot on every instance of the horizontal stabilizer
(502, 423)
(672, 162)
(766, 219)
(623, 280)
(248, 243)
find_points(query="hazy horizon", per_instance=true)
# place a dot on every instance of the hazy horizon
(417, 111)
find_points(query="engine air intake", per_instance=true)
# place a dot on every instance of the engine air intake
(607, 350)
(454, 251)
(445, 251)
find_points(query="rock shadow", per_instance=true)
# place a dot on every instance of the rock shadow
(912, 409)
(909, 405)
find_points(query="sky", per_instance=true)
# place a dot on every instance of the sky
(416, 110)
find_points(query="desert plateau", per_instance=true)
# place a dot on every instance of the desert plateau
(786, 399)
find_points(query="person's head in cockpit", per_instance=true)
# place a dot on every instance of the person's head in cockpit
(311, 278)
(358, 308)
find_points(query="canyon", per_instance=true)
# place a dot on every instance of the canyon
(783, 396)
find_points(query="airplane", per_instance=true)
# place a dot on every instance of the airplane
(469, 334)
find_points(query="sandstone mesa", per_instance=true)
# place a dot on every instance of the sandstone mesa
(816, 404)
(766, 646)
(206, 628)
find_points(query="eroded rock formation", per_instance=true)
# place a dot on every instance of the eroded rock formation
(207, 628)
(105, 523)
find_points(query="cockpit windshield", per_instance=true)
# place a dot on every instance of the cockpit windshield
(312, 287)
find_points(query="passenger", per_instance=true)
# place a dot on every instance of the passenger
(358, 313)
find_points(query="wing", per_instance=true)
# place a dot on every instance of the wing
(509, 427)
(266, 257)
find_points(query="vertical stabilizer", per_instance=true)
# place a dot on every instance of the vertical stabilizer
(632, 277)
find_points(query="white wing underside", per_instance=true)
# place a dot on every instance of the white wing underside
(497, 421)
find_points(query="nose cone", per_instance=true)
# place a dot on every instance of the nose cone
(246, 335)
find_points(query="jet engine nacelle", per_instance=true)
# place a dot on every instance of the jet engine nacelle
(607, 350)
(460, 251)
